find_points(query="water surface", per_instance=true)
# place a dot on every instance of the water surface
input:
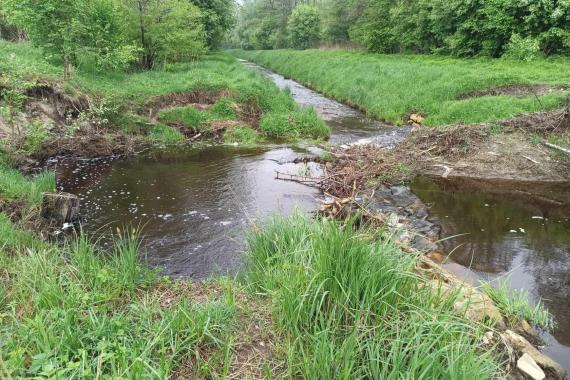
(510, 235)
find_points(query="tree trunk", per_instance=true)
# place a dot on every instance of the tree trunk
(60, 208)
(66, 67)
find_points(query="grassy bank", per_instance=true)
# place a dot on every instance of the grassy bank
(390, 86)
(163, 106)
(345, 305)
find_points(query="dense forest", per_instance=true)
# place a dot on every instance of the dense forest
(520, 29)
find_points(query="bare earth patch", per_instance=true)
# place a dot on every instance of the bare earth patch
(516, 91)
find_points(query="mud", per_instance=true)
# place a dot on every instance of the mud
(516, 90)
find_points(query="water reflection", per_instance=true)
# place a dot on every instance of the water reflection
(510, 233)
(194, 203)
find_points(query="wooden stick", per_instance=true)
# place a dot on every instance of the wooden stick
(559, 148)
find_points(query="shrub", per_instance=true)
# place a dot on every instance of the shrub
(522, 49)
(36, 135)
(241, 135)
(304, 26)
(165, 135)
(301, 123)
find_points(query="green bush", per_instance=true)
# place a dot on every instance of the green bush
(165, 135)
(36, 134)
(301, 123)
(522, 49)
(241, 135)
(304, 26)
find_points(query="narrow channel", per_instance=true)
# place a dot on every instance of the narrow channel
(195, 204)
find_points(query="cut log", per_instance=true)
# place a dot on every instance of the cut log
(60, 208)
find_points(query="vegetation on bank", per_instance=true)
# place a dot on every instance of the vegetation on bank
(389, 87)
(346, 304)
(518, 29)
(165, 105)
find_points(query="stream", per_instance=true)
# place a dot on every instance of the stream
(195, 203)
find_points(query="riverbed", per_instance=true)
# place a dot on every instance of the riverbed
(194, 205)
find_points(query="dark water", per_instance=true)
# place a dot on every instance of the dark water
(512, 235)
(194, 203)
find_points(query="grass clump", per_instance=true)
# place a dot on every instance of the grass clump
(301, 123)
(164, 135)
(390, 86)
(242, 135)
(188, 117)
(223, 109)
(75, 312)
(515, 305)
(14, 185)
(352, 307)
(13, 239)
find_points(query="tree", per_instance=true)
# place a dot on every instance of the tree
(218, 17)
(67, 28)
(166, 30)
(304, 26)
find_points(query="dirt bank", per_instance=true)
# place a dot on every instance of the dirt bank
(511, 151)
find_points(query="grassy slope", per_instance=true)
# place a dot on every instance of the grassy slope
(389, 86)
(128, 91)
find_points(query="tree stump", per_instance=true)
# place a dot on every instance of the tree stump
(60, 208)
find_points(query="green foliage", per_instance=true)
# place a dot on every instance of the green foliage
(74, 29)
(352, 306)
(165, 135)
(188, 117)
(457, 27)
(218, 18)
(302, 123)
(515, 306)
(165, 31)
(242, 135)
(14, 185)
(76, 312)
(389, 86)
(304, 26)
(224, 109)
(36, 134)
(522, 49)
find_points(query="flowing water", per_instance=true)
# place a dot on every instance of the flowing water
(196, 202)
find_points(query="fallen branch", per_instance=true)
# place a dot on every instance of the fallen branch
(559, 148)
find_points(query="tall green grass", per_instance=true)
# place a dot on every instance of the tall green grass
(14, 185)
(352, 307)
(75, 312)
(389, 86)
(515, 305)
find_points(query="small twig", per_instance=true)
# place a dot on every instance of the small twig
(531, 160)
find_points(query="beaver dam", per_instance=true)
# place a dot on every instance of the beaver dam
(194, 204)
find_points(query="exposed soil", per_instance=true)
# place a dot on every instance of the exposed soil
(516, 90)
(201, 100)
(513, 152)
